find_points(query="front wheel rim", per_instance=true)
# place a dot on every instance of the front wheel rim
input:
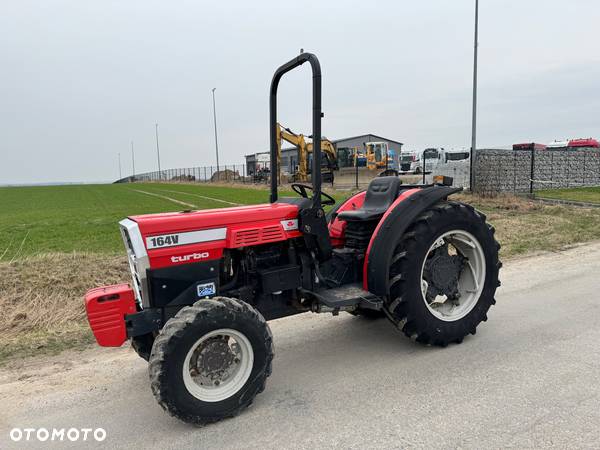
(452, 303)
(218, 365)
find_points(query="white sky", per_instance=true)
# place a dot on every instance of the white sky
(80, 79)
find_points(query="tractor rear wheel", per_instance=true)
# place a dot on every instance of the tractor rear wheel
(211, 360)
(444, 274)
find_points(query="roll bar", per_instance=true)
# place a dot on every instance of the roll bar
(316, 123)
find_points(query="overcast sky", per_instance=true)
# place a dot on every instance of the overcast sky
(80, 79)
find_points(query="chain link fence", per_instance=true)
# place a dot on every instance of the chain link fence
(228, 173)
(252, 173)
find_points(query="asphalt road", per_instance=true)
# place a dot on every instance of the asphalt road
(529, 378)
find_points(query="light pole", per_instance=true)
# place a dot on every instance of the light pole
(215, 120)
(474, 117)
(132, 162)
(158, 152)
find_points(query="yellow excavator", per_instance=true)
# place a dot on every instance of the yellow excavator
(380, 156)
(304, 150)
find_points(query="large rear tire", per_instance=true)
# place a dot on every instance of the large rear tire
(211, 360)
(444, 274)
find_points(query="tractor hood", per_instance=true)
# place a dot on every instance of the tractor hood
(155, 224)
(162, 240)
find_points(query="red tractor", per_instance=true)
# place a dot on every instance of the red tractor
(205, 283)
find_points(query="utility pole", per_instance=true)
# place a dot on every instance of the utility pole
(120, 176)
(215, 120)
(158, 152)
(132, 160)
(474, 118)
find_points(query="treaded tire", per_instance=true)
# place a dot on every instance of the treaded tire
(181, 332)
(406, 305)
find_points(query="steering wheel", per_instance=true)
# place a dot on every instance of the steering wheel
(302, 191)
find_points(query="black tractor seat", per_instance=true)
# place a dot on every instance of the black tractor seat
(381, 193)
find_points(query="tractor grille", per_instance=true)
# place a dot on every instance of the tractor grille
(253, 236)
(137, 258)
(137, 285)
(273, 233)
(246, 237)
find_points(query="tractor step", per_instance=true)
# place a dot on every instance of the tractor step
(347, 297)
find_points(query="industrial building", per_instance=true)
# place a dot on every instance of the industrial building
(345, 149)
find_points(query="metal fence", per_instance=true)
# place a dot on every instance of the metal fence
(228, 173)
(526, 171)
(493, 171)
(259, 173)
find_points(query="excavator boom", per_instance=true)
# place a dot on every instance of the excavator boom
(304, 149)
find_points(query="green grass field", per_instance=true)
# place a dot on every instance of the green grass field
(84, 218)
(582, 194)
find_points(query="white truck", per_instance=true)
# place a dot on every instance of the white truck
(434, 158)
(558, 144)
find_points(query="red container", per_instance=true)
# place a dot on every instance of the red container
(529, 146)
(106, 309)
(593, 143)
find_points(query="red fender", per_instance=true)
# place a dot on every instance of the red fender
(390, 230)
(403, 196)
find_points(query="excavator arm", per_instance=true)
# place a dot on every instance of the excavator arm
(304, 149)
(296, 140)
(328, 151)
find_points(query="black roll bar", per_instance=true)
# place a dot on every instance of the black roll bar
(316, 123)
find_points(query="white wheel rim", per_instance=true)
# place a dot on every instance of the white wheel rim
(470, 281)
(218, 365)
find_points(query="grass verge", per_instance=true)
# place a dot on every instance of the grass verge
(41, 299)
(582, 194)
(525, 226)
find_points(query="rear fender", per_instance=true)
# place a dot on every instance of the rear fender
(407, 207)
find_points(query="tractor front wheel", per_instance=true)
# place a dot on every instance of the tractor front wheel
(444, 274)
(211, 360)
(142, 345)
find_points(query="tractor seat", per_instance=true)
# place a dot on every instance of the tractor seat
(381, 193)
